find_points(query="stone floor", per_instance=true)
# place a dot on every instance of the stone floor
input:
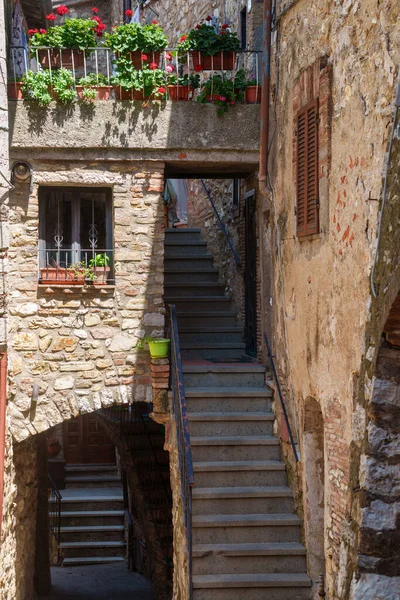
(98, 582)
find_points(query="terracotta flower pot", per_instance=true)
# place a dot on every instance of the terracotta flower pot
(60, 58)
(101, 275)
(136, 58)
(121, 94)
(253, 94)
(179, 92)
(15, 90)
(102, 92)
(76, 276)
(222, 61)
(53, 275)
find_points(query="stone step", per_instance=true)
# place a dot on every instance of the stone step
(243, 448)
(247, 528)
(92, 533)
(231, 376)
(280, 586)
(206, 319)
(92, 560)
(216, 335)
(86, 549)
(213, 350)
(92, 517)
(198, 304)
(174, 248)
(266, 557)
(98, 481)
(174, 275)
(195, 288)
(188, 261)
(70, 468)
(242, 473)
(230, 423)
(220, 399)
(242, 500)
(188, 233)
(92, 503)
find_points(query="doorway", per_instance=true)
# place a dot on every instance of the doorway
(250, 274)
(86, 443)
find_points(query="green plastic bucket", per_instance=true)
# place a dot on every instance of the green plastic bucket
(159, 348)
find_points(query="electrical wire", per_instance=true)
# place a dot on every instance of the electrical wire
(385, 187)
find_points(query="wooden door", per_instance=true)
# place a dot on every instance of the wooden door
(250, 277)
(86, 443)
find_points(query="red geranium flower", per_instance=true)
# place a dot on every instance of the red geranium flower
(144, 57)
(51, 17)
(222, 98)
(168, 56)
(43, 31)
(99, 29)
(129, 13)
(97, 19)
(198, 68)
(198, 27)
(154, 22)
(222, 32)
(209, 18)
(161, 90)
(95, 10)
(33, 31)
(61, 10)
(183, 38)
(233, 102)
(153, 66)
(225, 26)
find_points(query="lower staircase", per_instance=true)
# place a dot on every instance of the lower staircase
(92, 516)
(246, 535)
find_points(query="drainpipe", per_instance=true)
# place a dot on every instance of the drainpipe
(265, 92)
(3, 391)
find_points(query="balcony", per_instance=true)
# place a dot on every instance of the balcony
(190, 137)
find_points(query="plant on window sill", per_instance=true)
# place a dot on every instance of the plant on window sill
(45, 86)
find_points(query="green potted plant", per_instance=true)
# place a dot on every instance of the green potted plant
(141, 45)
(99, 267)
(181, 88)
(253, 92)
(223, 91)
(65, 44)
(77, 273)
(158, 347)
(93, 87)
(146, 84)
(211, 48)
(45, 86)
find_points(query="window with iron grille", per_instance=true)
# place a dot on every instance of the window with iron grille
(75, 234)
(307, 207)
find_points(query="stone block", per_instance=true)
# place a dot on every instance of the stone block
(153, 320)
(77, 366)
(122, 343)
(101, 333)
(64, 383)
(25, 310)
(25, 341)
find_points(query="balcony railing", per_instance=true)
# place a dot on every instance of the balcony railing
(98, 62)
(57, 266)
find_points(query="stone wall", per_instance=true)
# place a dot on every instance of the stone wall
(80, 344)
(322, 308)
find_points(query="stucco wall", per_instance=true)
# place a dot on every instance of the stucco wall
(321, 290)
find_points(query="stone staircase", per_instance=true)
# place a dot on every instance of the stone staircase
(92, 515)
(246, 536)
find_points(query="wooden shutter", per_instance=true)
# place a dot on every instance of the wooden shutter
(307, 170)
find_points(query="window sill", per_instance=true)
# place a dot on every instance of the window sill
(81, 288)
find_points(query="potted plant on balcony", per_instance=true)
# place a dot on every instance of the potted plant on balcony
(45, 86)
(99, 269)
(158, 347)
(146, 84)
(223, 91)
(253, 92)
(77, 273)
(93, 87)
(65, 44)
(53, 273)
(211, 48)
(137, 44)
(182, 88)
(14, 89)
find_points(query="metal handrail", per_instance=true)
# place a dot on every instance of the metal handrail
(221, 225)
(179, 413)
(278, 387)
(55, 515)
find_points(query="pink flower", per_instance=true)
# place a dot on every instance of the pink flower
(153, 66)
(95, 10)
(209, 18)
(43, 31)
(61, 10)
(168, 56)
(222, 98)
(233, 102)
(170, 68)
(51, 17)
(144, 57)
(154, 22)
(129, 13)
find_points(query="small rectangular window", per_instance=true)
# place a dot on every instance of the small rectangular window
(307, 208)
(243, 29)
(75, 235)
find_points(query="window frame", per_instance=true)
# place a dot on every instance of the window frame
(243, 28)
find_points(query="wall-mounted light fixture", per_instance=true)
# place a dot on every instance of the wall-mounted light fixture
(22, 172)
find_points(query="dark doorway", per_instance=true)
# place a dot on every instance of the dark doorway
(86, 443)
(250, 275)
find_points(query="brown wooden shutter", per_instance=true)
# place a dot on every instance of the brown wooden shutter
(307, 170)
